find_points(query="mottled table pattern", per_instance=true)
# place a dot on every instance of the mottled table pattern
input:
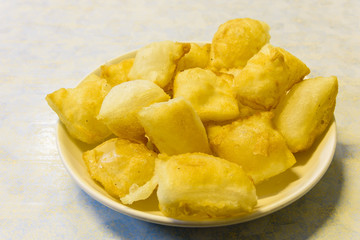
(46, 45)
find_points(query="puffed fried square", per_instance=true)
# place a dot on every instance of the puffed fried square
(210, 94)
(119, 108)
(157, 62)
(198, 56)
(198, 185)
(117, 73)
(124, 168)
(78, 107)
(236, 41)
(254, 144)
(174, 127)
(306, 111)
(267, 77)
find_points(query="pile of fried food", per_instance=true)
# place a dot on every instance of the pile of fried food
(200, 124)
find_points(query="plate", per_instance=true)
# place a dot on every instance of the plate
(273, 195)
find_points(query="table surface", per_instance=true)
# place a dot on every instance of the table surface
(46, 45)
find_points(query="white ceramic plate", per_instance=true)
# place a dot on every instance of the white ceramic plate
(273, 195)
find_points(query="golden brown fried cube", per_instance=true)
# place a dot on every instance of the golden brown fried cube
(157, 62)
(78, 107)
(198, 185)
(267, 76)
(123, 168)
(174, 127)
(211, 95)
(236, 41)
(253, 144)
(198, 56)
(117, 73)
(306, 111)
(119, 108)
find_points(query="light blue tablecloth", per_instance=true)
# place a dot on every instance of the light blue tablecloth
(46, 45)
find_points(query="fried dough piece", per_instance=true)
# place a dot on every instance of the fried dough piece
(306, 111)
(236, 41)
(233, 71)
(157, 61)
(120, 106)
(78, 107)
(197, 185)
(124, 168)
(253, 144)
(198, 56)
(246, 111)
(211, 95)
(117, 73)
(174, 127)
(267, 76)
